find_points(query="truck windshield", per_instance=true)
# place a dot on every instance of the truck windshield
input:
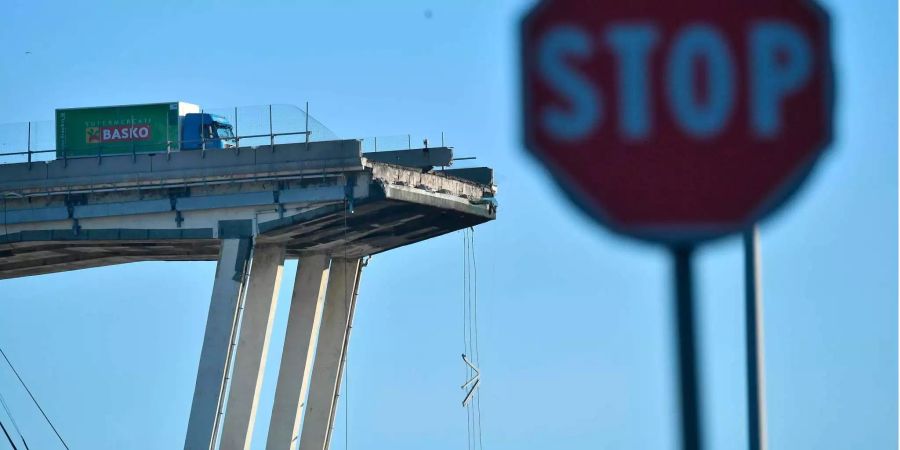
(224, 130)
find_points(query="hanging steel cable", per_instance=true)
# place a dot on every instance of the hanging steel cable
(350, 307)
(21, 381)
(475, 326)
(471, 356)
(466, 338)
(346, 374)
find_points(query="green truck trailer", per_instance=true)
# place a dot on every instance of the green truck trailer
(148, 128)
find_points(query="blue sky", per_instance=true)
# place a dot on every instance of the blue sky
(576, 337)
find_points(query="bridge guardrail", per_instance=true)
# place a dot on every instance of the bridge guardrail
(402, 142)
(253, 126)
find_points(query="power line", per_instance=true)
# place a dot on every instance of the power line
(13, 420)
(7, 437)
(33, 399)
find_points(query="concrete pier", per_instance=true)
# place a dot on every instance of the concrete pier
(253, 346)
(216, 350)
(303, 326)
(329, 354)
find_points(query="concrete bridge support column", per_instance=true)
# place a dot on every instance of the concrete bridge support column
(299, 346)
(330, 352)
(252, 346)
(215, 353)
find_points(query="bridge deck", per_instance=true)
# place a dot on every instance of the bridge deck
(326, 197)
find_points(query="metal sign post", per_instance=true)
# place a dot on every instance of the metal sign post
(756, 398)
(687, 348)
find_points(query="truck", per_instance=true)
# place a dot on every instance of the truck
(147, 128)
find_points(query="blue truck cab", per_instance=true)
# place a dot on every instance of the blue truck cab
(204, 130)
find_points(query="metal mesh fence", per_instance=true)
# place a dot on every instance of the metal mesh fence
(252, 126)
(19, 141)
(267, 124)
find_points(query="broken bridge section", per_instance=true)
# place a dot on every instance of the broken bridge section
(326, 203)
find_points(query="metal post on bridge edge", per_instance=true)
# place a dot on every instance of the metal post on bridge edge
(691, 433)
(168, 141)
(237, 139)
(271, 133)
(29, 145)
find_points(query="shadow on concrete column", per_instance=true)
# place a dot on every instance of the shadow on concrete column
(253, 345)
(329, 354)
(303, 326)
(216, 350)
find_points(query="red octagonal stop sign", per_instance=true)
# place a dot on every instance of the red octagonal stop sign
(677, 120)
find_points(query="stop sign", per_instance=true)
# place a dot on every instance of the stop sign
(677, 121)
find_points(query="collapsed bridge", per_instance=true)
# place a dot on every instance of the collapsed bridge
(326, 203)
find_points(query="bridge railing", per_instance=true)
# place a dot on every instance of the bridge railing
(403, 142)
(252, 126)
(27, 141)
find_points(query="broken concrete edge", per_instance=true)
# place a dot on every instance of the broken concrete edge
(422, 158)
(380, 190)
(406, 194)
(480, 175)
(430, 181)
